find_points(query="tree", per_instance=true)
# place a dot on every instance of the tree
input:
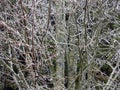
(59, 44)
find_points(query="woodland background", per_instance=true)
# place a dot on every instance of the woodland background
(59, 45)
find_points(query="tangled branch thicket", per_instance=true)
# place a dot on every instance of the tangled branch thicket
(59, 45)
